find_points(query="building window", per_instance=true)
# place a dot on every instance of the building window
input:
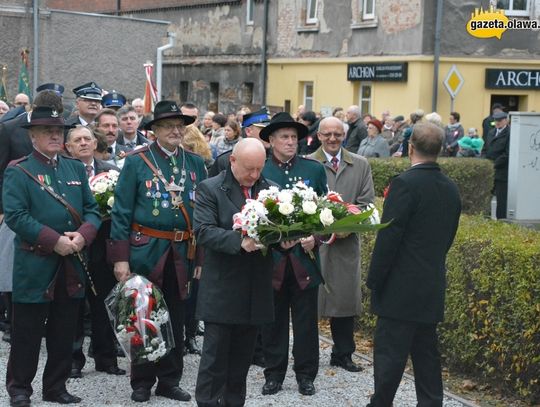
(308, 96)
(368, 9)
(213, 101)
(247, 93)
(249, 12)
(311, 12)
(365, 98)
(184, 91)
(513, 7)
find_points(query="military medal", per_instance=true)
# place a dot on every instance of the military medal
(175, 169)
(155, 212)
(177, 201)
(165, 204)
(148, 184)
(157, 195)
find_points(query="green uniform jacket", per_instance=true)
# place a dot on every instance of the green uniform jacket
(311, 172)
(39, 220)
(141, 198)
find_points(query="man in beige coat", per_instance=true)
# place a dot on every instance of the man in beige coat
(350, 175)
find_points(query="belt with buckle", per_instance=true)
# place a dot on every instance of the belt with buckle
(173, 235)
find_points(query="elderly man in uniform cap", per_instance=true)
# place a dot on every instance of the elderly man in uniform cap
(350, 175)
(296, 273)
(113, 100)
(88, 104)
(253, 124)
(152, 235)
(49, 205)
(235, 294)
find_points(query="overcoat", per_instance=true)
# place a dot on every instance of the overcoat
(235, 286)
(39, 220)
(340, 261)
(407, 274)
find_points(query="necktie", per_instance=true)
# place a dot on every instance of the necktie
(54, 162)
(246, 191)
(89, 170)
(335, 163)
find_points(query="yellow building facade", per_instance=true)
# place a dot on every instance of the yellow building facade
(323, 84)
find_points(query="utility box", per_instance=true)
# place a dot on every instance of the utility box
(524, 167)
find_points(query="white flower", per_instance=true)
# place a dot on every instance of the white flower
(309, 207)
(285, 196)
(100, 187)
(375, 219)
(110, 202)
(285, 208)
(326, 217)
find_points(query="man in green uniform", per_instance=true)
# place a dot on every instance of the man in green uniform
(49, 205)
(152, 235)
(296, 266)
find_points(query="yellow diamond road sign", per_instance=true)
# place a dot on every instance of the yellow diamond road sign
(453, 81)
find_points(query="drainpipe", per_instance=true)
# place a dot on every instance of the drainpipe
(36, 47)
(159, 61)
(264, 66)
(436, 55)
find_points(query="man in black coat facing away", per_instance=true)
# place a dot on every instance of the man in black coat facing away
(235, 290)
(407, 274)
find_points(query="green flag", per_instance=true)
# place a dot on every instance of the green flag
(24, 82)
(3, 91)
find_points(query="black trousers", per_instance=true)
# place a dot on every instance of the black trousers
(56, 321)
(191, 323)
(103, 344)
(167, 370)
(225, 361)
(394, 341)
(501, 192)
(302, 305)
(342, 329)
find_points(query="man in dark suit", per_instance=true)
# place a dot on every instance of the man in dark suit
(129, 135)
(498, 150)
(235, 292)
(357, 129)
(49, 205)
(88, 104)
(407, 274)
(80, 144)
(107, 123)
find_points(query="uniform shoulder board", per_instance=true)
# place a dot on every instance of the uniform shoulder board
(138, 150)
(17, 161)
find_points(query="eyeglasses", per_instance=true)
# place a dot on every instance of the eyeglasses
(171, 127)
(330, 134)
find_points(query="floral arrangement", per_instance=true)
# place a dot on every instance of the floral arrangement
(140, 320)
(289, 214)
(102, 186)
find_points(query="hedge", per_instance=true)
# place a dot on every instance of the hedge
(474, 178)
(492, 320)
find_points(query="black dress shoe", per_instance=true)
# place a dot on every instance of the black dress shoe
(20, 400)
(75, 373)
(345, 363)
(174, 393)
(112, 369)
(140, 395)
(192, 347)
(62, 398)
(271, 387)
(306, 387)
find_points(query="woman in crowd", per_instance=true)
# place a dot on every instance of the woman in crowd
(231, 136)
(195, 142)
(452, 134)
(374, 145)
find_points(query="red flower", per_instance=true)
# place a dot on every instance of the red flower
(333, 197)
(353, 209)
(133, 318)
(386, 191)
(130, 328)
(136, 340)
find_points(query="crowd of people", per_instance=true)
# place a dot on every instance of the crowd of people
(182, 178)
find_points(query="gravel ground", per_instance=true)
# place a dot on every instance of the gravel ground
(335, 387)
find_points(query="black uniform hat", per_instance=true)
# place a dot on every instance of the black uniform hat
(59, 89)
(90, 90)
(260, 118)
(168, 109)
(283, 120)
